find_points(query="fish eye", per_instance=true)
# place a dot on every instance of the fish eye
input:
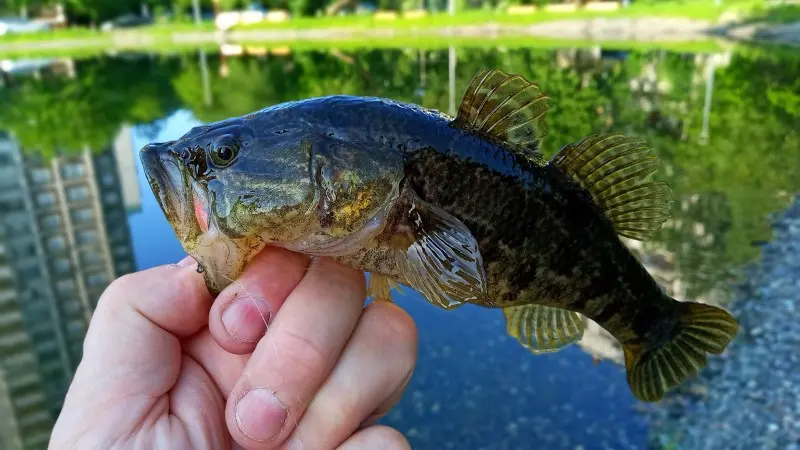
(224, 152)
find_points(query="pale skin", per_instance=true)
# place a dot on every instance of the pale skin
(163, 369)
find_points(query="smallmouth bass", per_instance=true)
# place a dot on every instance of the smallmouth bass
(463, 210)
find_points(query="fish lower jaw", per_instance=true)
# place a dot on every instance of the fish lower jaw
(223, 259)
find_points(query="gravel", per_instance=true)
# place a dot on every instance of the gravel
(750, 398)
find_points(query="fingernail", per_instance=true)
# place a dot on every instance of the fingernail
(187, 261)
(260, 415)
(246, 319)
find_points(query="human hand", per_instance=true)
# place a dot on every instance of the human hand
(163, 367)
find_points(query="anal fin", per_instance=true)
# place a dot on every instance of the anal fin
(543, 329)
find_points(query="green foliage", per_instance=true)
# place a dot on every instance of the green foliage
(101, 9)
(751, 158)
(56, 114)
(776, 14)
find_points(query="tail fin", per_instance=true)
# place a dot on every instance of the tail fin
(700, 329)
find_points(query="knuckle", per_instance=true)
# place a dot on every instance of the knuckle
(304, 355)
(120, 286)
(124, 283)
(391, 325)
(390, 438)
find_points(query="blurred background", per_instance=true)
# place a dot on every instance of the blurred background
(712, 85)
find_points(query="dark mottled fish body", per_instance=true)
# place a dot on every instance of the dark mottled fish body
(463, 210)
(541, 237)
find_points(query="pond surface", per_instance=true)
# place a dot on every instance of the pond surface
(77, 212)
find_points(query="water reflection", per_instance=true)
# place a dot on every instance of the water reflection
(725, 125)
(63, 238)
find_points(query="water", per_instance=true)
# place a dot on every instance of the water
(729, 143)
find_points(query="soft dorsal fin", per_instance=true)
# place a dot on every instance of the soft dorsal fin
(507, 109)
(615, 171)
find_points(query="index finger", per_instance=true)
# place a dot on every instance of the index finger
(296, 356)
(242, 311)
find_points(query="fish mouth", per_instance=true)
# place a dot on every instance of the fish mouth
(188, 209)
(175, 191)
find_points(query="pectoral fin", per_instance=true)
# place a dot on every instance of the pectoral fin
(437, 253)
(543, 329)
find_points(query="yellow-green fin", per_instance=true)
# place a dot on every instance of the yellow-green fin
(615, 171)
(438, 254)
(543, 329)
(507, 109)
(380, 287)
(700, 329)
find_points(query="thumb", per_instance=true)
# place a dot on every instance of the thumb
(137, 325)
(132, 350)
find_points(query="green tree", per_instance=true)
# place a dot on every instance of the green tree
(97, 10)
(55, 114)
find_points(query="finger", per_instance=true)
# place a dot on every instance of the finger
(366, 382)
(295, 357)
(222, 366)
(135, 324)
(387, 404)
(377, 436)
(131, 351)
(242, 311)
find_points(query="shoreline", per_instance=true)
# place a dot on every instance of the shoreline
(631, 31)
(745, 396)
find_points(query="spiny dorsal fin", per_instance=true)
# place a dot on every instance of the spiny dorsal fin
(615, 171)
(505, 108)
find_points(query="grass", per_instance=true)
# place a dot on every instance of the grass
(411, 32)
(778, 14)
(699, 9)
(410, 41)
(440, 42)
(71, 33)
(88, 33)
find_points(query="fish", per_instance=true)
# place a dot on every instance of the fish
(463, 210)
